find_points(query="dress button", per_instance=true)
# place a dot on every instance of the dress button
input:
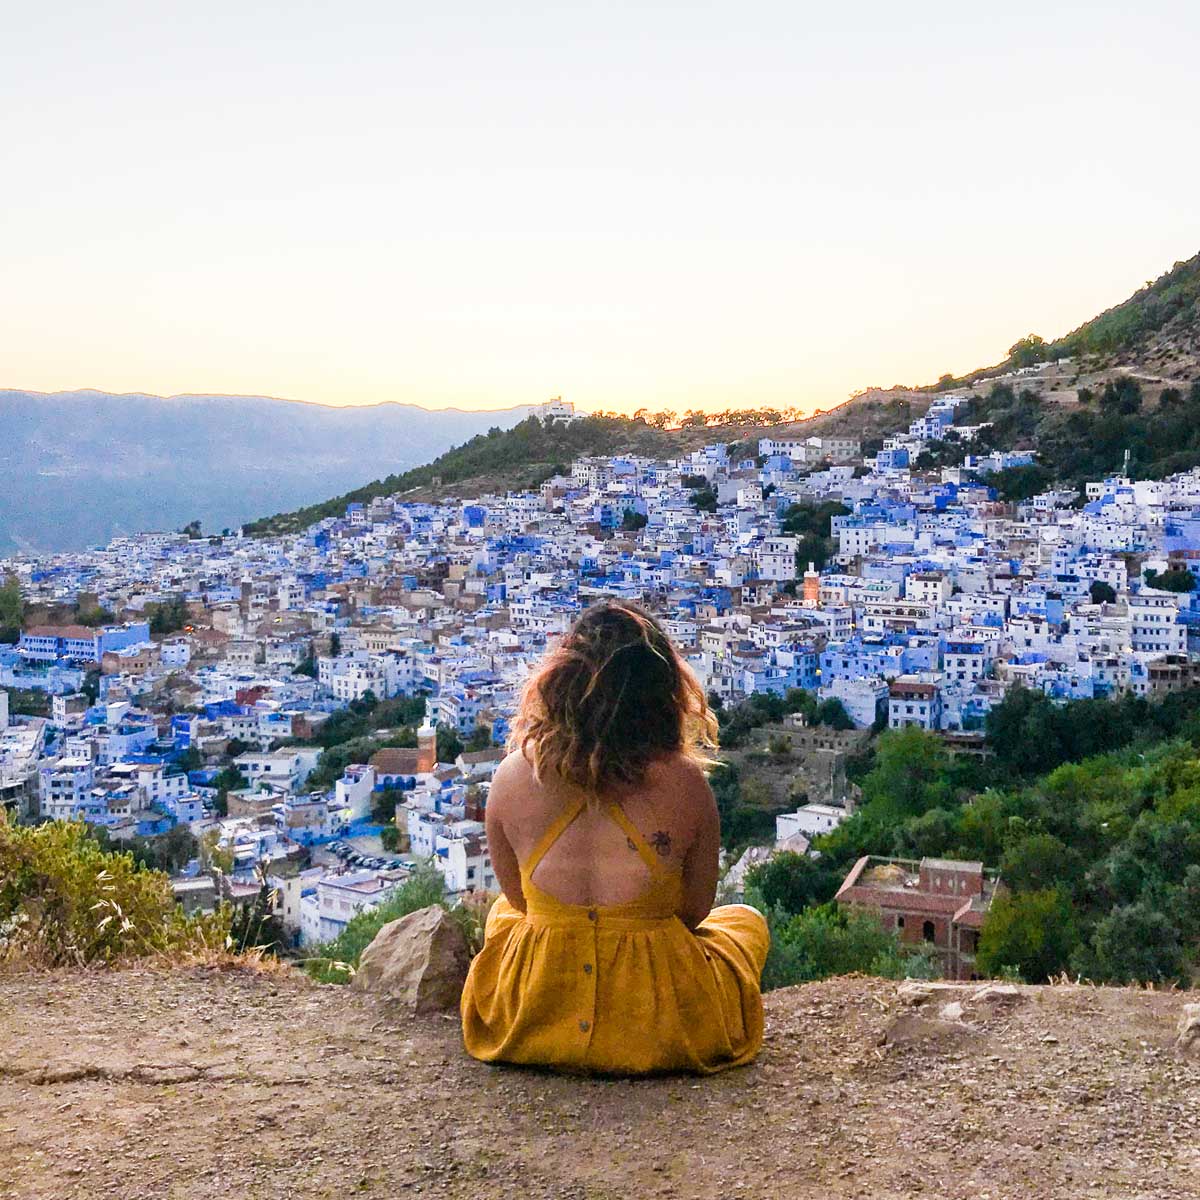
(593, 915)
(584, 1026)
(587, 968)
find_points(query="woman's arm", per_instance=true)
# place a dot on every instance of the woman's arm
(700, 866)
(504, 857)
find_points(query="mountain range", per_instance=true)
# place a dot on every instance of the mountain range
(80, 467)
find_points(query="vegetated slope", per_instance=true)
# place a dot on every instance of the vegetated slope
(1161, 319)
(1157, 329)
(1154, 336)
(526, 455)
(80, 467)
(209, 1085)
(1128, 380)
(521, 457)
(1158, 424)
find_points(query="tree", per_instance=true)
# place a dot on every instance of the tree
(831, 940)
(1029, 350)
(169, 852)
(226, 781)
(190, 759)
(1135, 943)
(168, 616)
(481, 738)
(1039, 862)
(1102, 593)
(389, 835)
(1020, 731)
(12, 609)
(1020, 483)
(633, 520)
(93, 616)
(832, 712)
(449, 744)
(334, 761)
(910, 775)
(1121, 396)
(779, 745)
(793, 882)
(335, 644)
(704, 500)
(812, 524)
(214, 856)
(1033, 932)
(1179, 579)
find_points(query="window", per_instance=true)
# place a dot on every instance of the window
(927, 931)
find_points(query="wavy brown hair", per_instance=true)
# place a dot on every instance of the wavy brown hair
(611, 697)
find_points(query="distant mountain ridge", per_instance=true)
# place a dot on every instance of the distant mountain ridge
(80, 467)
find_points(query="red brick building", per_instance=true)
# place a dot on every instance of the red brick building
(938, 901)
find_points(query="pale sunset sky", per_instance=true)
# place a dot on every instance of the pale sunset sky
(628, 204)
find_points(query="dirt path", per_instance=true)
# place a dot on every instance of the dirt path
(205, 1084)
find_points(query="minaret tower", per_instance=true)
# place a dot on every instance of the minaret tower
(812, 587)
(426, 747)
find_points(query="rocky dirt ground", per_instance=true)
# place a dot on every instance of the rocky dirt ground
(206, 1083)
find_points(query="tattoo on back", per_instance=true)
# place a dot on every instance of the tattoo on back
(661, 842)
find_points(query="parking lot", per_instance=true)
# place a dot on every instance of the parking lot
(363, 854)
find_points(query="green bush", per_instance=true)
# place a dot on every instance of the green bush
(1031, 932)
(64, 901)
(830, 940)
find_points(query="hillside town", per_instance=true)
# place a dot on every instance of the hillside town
(206, 695)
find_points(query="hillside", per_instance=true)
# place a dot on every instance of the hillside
(84, 466)
(1160, 324)
(529, 453)
(1152, 338)
(521, 457)
(210, 1085)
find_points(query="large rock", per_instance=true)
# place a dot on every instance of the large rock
(1189, 1029)
(420, 961)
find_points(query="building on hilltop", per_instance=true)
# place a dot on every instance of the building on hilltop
(557, 409)
(938, 902)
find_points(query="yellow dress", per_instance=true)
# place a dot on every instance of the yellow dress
(624, 988)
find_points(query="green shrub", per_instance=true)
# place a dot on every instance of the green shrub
(829, 940)
(64, 901)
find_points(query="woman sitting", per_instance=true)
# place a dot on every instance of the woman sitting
(603, 954)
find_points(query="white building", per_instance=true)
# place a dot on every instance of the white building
(353, 792)
(914, 701)
(336, 899)
(810, 820)
(1155, 626)
(777, 559)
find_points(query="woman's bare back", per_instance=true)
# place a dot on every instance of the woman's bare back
(594, 861)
